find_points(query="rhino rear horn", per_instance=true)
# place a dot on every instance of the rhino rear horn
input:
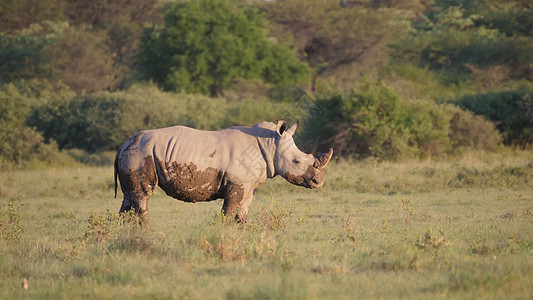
(323, 159)
(293, 128)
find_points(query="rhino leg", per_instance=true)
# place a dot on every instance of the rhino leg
(139, 204)
(137, 187)
(237, 201)
(232, 200)
(242, 214)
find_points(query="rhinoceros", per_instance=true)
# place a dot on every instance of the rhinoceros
(195, 165)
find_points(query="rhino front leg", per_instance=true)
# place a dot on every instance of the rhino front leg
(236, 202)
(242, 215)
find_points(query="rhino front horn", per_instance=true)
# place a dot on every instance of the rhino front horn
(323, 159)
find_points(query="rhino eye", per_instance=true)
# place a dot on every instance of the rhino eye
(296, 161)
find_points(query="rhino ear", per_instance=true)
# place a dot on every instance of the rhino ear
(281, 127)
(293, 128)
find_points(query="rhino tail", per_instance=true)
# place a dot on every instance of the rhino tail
(116, 172)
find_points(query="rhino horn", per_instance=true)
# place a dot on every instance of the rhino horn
(293, 128)
(322, 160)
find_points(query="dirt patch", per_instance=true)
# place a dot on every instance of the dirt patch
(185, 182)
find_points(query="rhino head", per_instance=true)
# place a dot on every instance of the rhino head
(294, 165)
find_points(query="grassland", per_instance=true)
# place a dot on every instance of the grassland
(453, 229)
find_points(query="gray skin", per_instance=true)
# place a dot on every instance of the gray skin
(194, 165)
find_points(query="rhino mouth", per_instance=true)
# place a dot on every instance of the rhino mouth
(312, 178)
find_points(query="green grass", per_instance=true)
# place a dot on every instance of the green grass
(454, 229)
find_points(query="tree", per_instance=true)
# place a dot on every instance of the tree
(76, 56)
(19, 14)
(80, 58)
(123, 21)
(21, 52)
(331, 36)
(488, 41)
(203, 46)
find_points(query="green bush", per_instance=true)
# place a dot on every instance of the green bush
(104, 121)
(511, 111)
(465, 43)
(10, 227)
(471, 131)
(374, 121)
(249, 112)
(21, 145)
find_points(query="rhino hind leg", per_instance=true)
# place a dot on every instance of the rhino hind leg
(137, 187)
(139, 206)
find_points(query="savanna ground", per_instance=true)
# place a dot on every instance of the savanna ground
(459, 228)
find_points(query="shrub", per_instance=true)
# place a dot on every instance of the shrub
(22, 145)
(470, 131)
(104, 121)
(249, 112)
(10, 228)
(372, 120)
(103, 227)
(511, 111)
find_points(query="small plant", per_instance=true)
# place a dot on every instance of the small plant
(10, 228)
(221, 219)
(233, 246)
(275, 217)
(385, 227)
(304, 218)
(519, 197)
(432, 242)
(103, 227)
(349, 230)
(407, 206)
(226, 248)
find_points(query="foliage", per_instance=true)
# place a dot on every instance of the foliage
(373, 120)
(203, 46)
(249, 112)
(330, 36)
(103, 227)
(431, 242)
(67, 72)
(462, 41)
(10, 225)
(19, 14)
(21, 145)
(274, 217)
(104, 121)
(57, 52)
(80, 58)
(21, 53)
(121, 23)
(511, 111)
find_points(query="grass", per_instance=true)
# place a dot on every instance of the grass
(455, 229)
